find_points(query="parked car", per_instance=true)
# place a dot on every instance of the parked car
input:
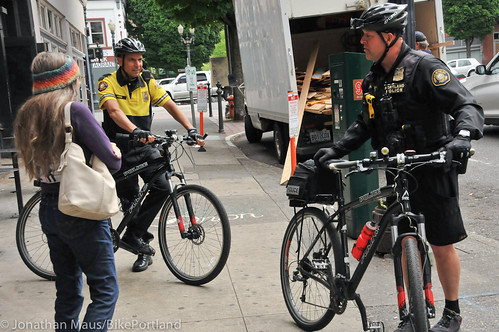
(178, 87)
(464, 67)
(484, 87)
(164, 81)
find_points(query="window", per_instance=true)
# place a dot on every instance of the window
(463, 63)
(96, 32)
(50, 23)
(182, 79)
(201, 77)
(495, 67)
(452, 64)
(76, 39)
(43, 15)
(57, 26)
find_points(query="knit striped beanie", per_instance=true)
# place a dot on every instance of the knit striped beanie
(56, 79)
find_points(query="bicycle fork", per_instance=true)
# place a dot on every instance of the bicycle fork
(397, 260)
(192, 232)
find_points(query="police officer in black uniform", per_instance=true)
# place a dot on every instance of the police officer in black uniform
(126, 98)
(412, 101)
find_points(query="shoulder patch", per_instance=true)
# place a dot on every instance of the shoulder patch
(440, 77)
(102, 86)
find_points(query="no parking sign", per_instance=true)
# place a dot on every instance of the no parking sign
(202, 98)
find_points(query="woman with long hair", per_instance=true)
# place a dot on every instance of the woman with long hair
(76, 245)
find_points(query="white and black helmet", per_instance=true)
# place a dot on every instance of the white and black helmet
(386, 17)
(128, 45)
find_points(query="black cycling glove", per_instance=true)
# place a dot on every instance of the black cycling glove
(458, 149)
(139, 133)
(193, 133)
(322, 156)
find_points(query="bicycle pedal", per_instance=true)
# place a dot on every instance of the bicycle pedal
(128, 248)
(376, 327)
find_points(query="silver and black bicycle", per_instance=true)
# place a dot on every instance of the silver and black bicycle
(193, 234)
(314, 265)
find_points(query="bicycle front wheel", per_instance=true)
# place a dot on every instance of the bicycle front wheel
(417, 306)
(305, 277)
(201, 256)
(32, 242)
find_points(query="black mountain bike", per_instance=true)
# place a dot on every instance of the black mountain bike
(193, 234)
(314, 265)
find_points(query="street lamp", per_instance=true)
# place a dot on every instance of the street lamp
(87, 60)
(112, 28)
(188, 40)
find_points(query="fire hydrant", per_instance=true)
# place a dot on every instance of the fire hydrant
(229, 113)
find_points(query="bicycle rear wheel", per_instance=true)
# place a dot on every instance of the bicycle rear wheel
(198, 259)
(31, 241)
(307, 299)
(417, 305)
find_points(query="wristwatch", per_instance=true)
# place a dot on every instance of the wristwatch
(464, 133)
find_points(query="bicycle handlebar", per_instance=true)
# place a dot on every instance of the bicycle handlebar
(169, 138)
(401, 159)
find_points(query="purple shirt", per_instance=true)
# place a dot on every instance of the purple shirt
(88, 133)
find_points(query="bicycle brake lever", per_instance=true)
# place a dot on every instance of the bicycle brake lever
(352, 172)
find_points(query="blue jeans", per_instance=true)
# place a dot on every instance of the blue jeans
(79, 245)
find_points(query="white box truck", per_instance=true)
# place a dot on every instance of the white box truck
(276, 38)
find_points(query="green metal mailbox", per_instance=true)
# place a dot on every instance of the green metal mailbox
(347, 72)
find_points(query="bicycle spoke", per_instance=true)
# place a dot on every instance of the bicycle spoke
(307, 299)
(200, 255)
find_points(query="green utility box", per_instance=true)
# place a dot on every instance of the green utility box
(347, 72)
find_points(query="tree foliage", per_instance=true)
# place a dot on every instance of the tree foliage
(209, 13)
(157, 29)
(470, 19)
(199, 13)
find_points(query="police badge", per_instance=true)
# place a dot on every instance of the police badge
(398, 75)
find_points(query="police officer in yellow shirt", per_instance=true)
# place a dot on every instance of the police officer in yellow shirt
(126, 99)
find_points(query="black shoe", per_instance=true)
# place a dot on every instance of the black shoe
(136, 245)
(142, 263)
(450, 322)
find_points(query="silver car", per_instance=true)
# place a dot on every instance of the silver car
(485, 87)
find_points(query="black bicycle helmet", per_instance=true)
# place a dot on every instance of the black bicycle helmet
(128, 45)
(386, 17)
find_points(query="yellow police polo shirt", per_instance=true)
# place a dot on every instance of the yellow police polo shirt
(135, 103)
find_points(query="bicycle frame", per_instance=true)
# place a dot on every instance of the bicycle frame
(163, 167)
(349, 283)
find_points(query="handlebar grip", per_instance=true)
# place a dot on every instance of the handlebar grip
(338, 165)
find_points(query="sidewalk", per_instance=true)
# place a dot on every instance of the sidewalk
(246, 296)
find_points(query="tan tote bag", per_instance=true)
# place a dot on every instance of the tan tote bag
(85, 192)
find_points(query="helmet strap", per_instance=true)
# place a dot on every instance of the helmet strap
(123, 71)
(387, 47)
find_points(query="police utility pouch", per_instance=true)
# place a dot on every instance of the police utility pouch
(311, 184)
(85, 192)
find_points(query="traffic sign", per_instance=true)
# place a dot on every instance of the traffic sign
(202, 98)
(190, 74)
(293, 114)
